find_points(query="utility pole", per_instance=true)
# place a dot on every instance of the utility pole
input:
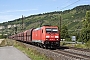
(40, 23)
(60, 26)
(15, 27)
(22, 22)
(60, 23)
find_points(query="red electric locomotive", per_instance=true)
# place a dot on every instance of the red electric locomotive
(48, 36)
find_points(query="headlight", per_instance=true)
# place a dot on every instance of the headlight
(56, 36)
(47, 36)
(56, 39)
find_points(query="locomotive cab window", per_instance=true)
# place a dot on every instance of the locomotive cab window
(53, 30)
(42, 31)
(48, 30)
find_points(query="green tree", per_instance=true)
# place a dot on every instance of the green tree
(85, 33)
(64, 32)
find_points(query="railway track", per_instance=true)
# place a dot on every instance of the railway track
(64, 53)
(78, 53)
(73, 55)
(83, 53)
(86, 50)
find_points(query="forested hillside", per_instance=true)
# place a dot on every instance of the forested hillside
(71, 18)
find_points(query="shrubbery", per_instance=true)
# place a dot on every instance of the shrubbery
(2, 36)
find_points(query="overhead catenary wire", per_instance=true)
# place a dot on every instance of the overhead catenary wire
(70, 4)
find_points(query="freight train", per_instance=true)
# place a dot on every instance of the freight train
(45, 36)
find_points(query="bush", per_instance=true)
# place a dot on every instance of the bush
(2, 36)
(68, 39)
(88, 44)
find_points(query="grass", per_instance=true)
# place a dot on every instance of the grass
(84, 46)
(80, 46)
(31, 53)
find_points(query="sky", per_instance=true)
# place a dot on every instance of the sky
(14, 9)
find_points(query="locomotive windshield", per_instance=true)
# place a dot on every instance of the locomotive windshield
(53, 30)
